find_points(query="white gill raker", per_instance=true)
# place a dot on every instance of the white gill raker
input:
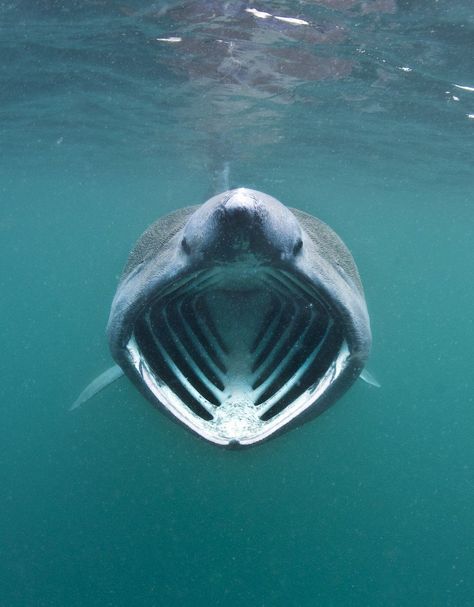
(298, 350)
(306, 320)
(299, 289)
(189, 359)
(282, 296)
(188, 282)
(196, 283)
(266, 363)
(201, 323)
(270, 330)
(207, 341)
(267, 331)
(171, 322)
(209, 407)
(283, 292)
(189, 299)
(291, 286)
(286, 360)
(287, 278)
(196, 341)
(268, 404)
(287, 287)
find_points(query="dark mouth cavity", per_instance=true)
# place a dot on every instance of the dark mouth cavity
(263, 338)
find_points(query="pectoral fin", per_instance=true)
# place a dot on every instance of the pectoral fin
(98, 384)
(369, 378)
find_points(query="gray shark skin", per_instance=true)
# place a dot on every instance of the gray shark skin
(240, 318)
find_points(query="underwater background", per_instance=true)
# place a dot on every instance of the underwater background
(112, 114)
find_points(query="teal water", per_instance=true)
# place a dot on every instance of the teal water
(356, 118)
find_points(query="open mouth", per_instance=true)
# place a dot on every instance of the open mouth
(236, 354)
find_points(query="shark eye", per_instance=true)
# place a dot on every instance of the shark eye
(185, 245)
(298, 246)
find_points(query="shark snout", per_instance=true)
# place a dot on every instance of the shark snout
(241, 207)
(242, 223)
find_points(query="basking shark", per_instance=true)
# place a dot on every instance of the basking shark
(240, 318)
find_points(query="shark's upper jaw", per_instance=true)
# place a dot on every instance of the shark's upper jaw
(237, 353)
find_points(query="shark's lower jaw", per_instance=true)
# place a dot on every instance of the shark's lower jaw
(237, 354)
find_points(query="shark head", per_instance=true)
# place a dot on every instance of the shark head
(240, 318)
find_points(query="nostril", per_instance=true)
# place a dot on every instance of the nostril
(298, 246)
(185, 245)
